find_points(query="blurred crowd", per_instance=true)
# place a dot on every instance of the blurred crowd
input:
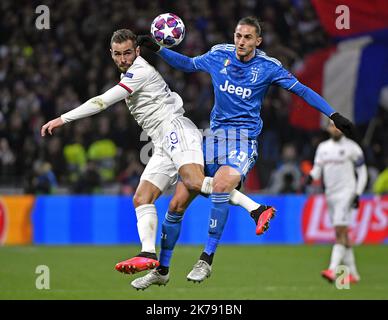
(44, 73)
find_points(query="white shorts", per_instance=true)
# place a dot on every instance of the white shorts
(180, 143)
(340, 209)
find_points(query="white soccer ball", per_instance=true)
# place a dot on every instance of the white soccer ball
(168, 30)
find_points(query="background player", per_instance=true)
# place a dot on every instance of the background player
(177, 141)
(341, 163)
(241, 76)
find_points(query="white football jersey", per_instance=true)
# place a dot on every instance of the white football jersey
(150, 100)
(337, 161)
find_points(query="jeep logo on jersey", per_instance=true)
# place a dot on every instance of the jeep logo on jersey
(239, 91)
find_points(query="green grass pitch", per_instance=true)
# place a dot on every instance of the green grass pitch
(239, 272)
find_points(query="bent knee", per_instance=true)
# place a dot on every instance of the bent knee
(222, 186)
(177, 205)
(193, 184)
(141, 199)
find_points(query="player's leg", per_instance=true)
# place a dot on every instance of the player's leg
(340, 214)
(193, 177)
(230, 161)
(158, 174)
(147, 219)
(171, 228)
(348, 258)
(225, 180)
(147, 222)
(339, 248)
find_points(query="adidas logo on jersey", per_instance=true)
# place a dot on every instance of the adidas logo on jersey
(239, 91)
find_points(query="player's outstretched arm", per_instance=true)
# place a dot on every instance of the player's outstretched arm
(174, 59)
(316, 101)
(89, 108)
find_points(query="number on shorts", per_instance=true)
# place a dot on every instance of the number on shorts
(173, 138)
(241, 156)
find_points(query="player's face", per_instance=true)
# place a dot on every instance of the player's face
(124, 54)
(246, 40)
(333, 131)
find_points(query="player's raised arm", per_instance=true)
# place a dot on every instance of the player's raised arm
(175, 59)
(316, 101)
(89, 108)
(286, 80)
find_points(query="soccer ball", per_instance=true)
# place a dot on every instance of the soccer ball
(168, 30)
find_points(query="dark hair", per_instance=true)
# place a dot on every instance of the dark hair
(251, 21)
(123, 35)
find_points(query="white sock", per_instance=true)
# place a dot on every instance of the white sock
(240, 199)
(337, 254)
(147, 223)
(350, 261)
(236, 197)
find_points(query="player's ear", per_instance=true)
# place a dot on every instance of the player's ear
(137, 51)
(258, 41)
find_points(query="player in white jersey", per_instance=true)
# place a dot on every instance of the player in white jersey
(341, 163)
(177, 141)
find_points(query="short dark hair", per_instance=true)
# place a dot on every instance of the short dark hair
(123, 35)
(251, 21)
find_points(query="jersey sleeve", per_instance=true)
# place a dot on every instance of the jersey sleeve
(96, 104)
(360, 167)
(288, 81)
(316, 171)
(134, 79)
(357, 156)
(177, 60)
(283, 78)
(203, 62)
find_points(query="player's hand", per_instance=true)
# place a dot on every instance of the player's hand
(146, 40)
(356, 202)
(308, 180)
(343, 124)
(50, 126)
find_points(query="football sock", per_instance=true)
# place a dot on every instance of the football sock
(171, 229)
(337, 254)
(147, 222)
(350, 261)
(147, 255)
(236, 197)
(218, 215)
(162, 270)
(239, 199)
(208, 258)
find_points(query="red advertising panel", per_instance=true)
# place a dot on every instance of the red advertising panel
(369, 223)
